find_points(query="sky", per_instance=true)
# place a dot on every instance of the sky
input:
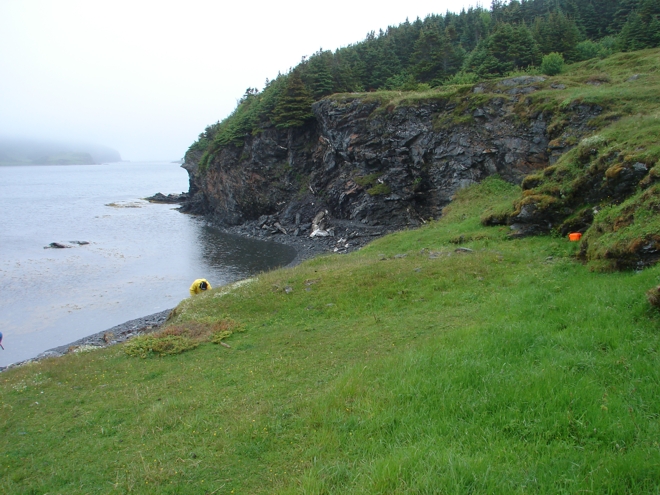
(146, 77)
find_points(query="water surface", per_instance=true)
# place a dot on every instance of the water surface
(141, 257)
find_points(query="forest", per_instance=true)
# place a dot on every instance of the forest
(519, 36)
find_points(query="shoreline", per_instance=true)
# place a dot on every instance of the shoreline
(340, 236)
(343, 237)
(105, 338)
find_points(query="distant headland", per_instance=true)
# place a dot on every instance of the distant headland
(41, 152)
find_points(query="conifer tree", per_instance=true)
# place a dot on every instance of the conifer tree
(344, 74)
(642, 29)
(403, 40)
(476, 28)
(435, 57)
(513, 13)
(556, 33)
(589, 22)
(507, 49)
(294, 106)
(386, 63)
(497, 10)
(318, 74)
(625, 8)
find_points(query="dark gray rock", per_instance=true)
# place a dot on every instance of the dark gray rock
(170, 198)
(57, 245)
(521, 80)
(366, 166)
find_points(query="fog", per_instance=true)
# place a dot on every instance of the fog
(146, 77)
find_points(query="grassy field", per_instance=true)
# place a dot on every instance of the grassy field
(411, 366)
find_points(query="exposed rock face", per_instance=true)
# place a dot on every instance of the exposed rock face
(369, 165)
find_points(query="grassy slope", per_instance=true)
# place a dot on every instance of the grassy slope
(627, 86)
(511, 369)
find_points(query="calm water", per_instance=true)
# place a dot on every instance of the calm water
(141, 259)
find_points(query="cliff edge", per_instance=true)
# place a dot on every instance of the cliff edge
(377, 161)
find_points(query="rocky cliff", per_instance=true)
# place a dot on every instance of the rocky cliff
(366, 162)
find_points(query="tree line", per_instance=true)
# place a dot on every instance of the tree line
(444, 49)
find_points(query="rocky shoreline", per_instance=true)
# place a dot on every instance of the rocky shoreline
(320, 234)
(115, 335)
(323, 235)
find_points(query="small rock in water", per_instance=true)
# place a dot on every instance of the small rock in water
(170, 198)
(57, 245)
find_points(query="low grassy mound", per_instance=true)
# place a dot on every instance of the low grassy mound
(449, 359)
(175, 339)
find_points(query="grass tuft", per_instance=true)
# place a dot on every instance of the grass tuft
(178, 338)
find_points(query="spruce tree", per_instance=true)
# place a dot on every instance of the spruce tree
(386, 63)
(625, 8)
(477, 27)
(318, 74)
(294, 106)
(403, 39)
(590, 22)
(513, 13)
(435, 56)
(509, 48)
(345, 77)
(556, 33)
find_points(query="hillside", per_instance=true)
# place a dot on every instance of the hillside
(446, 359)
(581, 142)
(40, 152)
(378, 136)
(444, 50)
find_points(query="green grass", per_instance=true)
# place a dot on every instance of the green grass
(406, 367)
(596, 173)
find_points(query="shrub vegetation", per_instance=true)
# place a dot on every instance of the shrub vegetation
(552, 64)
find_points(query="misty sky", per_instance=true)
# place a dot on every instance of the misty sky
(146, 77)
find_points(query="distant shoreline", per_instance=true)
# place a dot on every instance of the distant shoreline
(49, 164)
